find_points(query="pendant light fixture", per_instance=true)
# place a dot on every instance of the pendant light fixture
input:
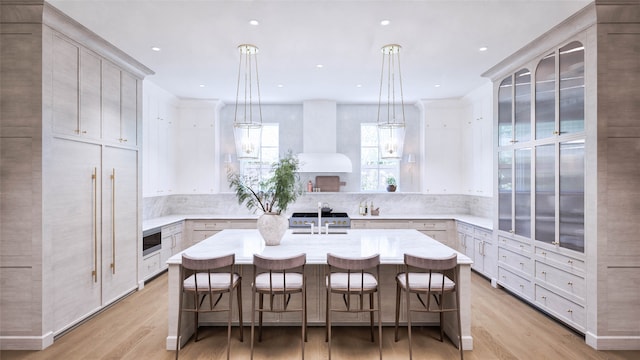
(247, 123)
(391, 121)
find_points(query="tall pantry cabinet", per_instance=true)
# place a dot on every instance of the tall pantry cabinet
(567, 174)
(71, 171)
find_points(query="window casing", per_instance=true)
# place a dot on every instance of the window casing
(374, 171)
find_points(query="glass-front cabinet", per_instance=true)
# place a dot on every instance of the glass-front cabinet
(541, 150)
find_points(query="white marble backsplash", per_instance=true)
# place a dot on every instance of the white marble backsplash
(388, 203)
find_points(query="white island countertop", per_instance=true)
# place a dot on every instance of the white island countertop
(391, 244)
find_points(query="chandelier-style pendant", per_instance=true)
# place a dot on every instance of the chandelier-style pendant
(247, 123)
(391, 120)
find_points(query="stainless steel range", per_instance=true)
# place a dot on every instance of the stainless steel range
(302, 220)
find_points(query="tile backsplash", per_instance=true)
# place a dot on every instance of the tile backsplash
(388, 203)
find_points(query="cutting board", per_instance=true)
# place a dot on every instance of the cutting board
(329, 183)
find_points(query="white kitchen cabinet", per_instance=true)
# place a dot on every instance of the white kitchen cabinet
(477, 243)
(441, 230)
(93, 227)
(160, 141)
(78, 209)
(171, 241)
(198, 230)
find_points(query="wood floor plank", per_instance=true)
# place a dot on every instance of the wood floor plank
(503, 328)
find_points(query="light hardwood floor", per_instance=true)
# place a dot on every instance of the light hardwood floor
(502, 327)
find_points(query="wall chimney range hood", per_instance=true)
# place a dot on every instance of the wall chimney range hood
(319, 140)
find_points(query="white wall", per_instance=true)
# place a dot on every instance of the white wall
(451, 140)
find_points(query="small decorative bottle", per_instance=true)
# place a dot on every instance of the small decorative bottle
(309, 186)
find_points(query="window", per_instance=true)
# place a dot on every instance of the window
(260, 169)
(374, 171)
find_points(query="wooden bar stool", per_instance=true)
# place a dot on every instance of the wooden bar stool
(357, 280)
(428, 278)
(273, 277)
(202, 277)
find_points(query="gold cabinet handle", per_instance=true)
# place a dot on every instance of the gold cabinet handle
(570, 283)
(543, 297)
(570, 261)
(543, 273)
(94, 176)
(570, 311)
(113, 221)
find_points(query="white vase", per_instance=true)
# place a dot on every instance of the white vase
(272, 227)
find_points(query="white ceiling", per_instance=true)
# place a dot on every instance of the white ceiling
(199, 39)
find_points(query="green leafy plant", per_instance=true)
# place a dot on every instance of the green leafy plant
(274, 194)
(391, 180)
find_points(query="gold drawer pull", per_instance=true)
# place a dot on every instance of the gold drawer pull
(521, 264)
(543, 297)
(570, 311)
(570, 283)
(544, 253)
(521, 286)
(570, 261)
(504, 256)
(544, 273)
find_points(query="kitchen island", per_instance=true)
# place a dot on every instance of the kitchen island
(391, 244)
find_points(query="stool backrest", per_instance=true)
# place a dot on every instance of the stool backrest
(279, 264)
(435, 264)
(202, 264)
(353, 263)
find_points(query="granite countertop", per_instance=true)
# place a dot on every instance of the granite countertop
(391, 244)
(486, 223)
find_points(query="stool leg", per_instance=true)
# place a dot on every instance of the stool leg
(179, 324)
(380, 323)
(239, 294)
(407, 294)
(260, 307)
(253, 316)
(397, 309)
(371, 315)
(229, 322)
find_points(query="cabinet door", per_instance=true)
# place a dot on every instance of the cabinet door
(65, 87)
(129, 109)
(478, 255)
(90, 95)
(72, 204)
(111, 101)
(119, 222)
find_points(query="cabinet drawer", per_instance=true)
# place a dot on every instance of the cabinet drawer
(517, 284)
(244, 224)
(514, 245)
(210, 225)
(429, 225)
(356, 224)
(516, 261)
(482, 234)
(566, 310)
(151, 265)
(572, 284)
(171, 229)
(564, 262)
(463, 227)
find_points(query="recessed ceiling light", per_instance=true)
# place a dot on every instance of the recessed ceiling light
(202, 85)
(280, 85)
(319, 66)
(484, 48)
(359, 85)
(385, 22)
(254, 22)
(437, 85)
(155, 48)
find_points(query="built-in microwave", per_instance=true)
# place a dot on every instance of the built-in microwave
(151, 241)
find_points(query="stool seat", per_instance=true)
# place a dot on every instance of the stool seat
(275, 281)
(420, 282)
(344, 281)
(219, 281)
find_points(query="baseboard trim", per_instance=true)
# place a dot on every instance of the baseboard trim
(612, 342)
(26, 342)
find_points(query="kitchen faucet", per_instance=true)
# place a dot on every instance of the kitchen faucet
(319, 219)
